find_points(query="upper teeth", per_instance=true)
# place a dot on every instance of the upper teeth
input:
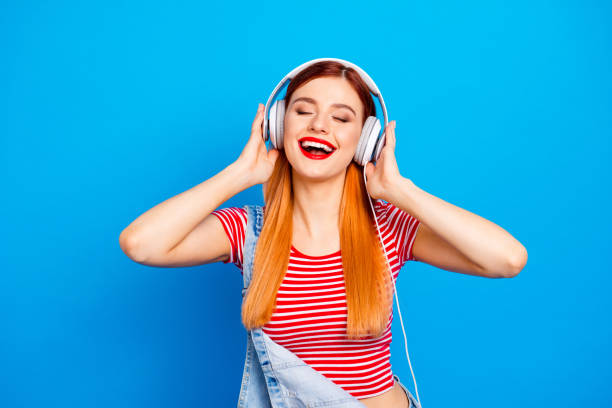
(308, 143)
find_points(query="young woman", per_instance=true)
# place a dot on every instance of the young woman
(321, 286)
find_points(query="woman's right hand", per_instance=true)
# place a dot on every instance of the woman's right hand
(255, 159)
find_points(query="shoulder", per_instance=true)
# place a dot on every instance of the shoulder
(381, 207)
(231, 212)
(391, 211)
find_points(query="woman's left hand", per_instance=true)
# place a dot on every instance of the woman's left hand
(384, 175)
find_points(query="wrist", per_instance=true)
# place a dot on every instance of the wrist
(398, 188)
(238, 175)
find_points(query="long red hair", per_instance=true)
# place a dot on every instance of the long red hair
(369, 290)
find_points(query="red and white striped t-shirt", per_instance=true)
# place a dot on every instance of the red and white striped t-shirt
(310, 315)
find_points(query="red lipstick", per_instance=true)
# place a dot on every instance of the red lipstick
(316, 140)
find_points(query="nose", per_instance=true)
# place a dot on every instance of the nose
(318, 124)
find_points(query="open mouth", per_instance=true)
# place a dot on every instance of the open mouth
(314, 150)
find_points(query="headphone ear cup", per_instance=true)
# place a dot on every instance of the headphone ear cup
(367, 140)
(276, 123)
(379, 146)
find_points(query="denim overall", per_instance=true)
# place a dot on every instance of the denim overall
(273, 376)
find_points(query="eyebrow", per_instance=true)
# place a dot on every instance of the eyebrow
(335, 105)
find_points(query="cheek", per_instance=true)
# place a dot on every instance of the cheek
(290, 125)
(350, 137)
(291, 131)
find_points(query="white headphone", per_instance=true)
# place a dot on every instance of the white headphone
(371, 141)
(369, 147)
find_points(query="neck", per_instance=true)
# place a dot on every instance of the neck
(317, 204)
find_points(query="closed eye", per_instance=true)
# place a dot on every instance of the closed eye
(340, 119)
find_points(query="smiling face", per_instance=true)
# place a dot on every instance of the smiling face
(328, 111)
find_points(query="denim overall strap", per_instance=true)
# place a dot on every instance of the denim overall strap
(253, 390)
(274, 376)
(253, 229)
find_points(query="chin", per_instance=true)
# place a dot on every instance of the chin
(321, 173)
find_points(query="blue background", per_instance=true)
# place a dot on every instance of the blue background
(109, 108)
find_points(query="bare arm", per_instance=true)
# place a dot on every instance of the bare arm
(448, 236)
(181, 230)
(163, 227)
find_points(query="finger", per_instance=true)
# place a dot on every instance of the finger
(390, 135)
(257, 122)
(369, 169)
(272, 155)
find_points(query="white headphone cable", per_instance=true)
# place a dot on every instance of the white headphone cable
(394, 290)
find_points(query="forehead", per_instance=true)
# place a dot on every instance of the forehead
(329, 90)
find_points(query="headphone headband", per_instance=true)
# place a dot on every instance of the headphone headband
(366, 78)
